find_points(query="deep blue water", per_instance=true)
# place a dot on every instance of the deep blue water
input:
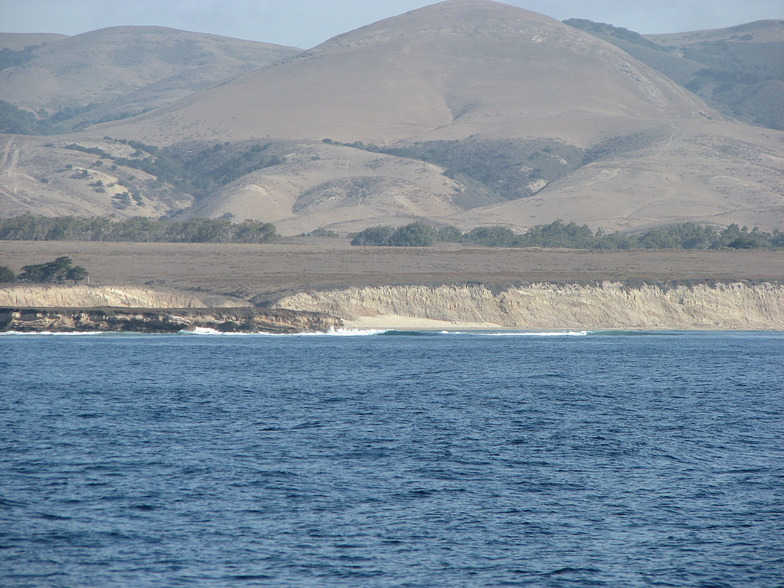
(408, 460)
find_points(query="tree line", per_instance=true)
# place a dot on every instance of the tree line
(556, 234)
(51, 272)
(574, 236)
(136, 230)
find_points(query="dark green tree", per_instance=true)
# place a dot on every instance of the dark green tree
(449, 235)
(15, 121)
(558, 234)
(492, 236)
(51, 272)
(6, 274)
(76, 273)
(374, 236)
(413, 235)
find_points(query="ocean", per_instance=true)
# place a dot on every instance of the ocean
(392, 459)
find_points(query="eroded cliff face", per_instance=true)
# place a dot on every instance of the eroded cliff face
(608, 305)
(27, 295)
(239, 320)
(561, 306)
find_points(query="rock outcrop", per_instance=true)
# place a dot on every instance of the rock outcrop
(609, 305)
(147, 320)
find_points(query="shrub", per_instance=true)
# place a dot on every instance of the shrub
(6, 274)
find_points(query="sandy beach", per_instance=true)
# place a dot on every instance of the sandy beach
(397, 322)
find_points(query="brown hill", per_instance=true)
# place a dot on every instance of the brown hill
(447, 71)
(715, 174)
(467, 112)
(742, 69)
(43, 177)
(123, 70)
(329, 185)
(20, 41)
(760, 31)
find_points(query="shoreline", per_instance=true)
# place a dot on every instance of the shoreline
(352, 331)
(410, 323)
(163, 320)
(450, 288)
(543, 307)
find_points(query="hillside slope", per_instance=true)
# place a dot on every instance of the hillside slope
(466, 112)
(21, 41)
(447, 71)
(121, 71)
(738, 70)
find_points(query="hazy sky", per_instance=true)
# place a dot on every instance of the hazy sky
(306, 23)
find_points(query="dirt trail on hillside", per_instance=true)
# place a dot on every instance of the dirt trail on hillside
(10, 159)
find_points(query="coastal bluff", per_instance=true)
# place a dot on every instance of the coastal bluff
(83, 296)
(611, 305)
(605, 305)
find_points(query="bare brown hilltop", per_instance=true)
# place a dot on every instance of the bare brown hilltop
(447, 71)
(126, 69)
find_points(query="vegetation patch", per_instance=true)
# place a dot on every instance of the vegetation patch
(13, 57)
(740, 77)
(492, 170)
(574, 236)
(17, 121)
(135, 230)
(194, 168)
(412, 235)
(51, 272)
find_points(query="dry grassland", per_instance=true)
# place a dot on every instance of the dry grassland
(267, 272)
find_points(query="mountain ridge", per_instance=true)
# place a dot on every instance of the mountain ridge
(126, 69)
(446, 57)
(465, 112)
(737, 70)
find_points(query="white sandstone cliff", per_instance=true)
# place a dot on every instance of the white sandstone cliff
(24, 295)
(608, 305)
